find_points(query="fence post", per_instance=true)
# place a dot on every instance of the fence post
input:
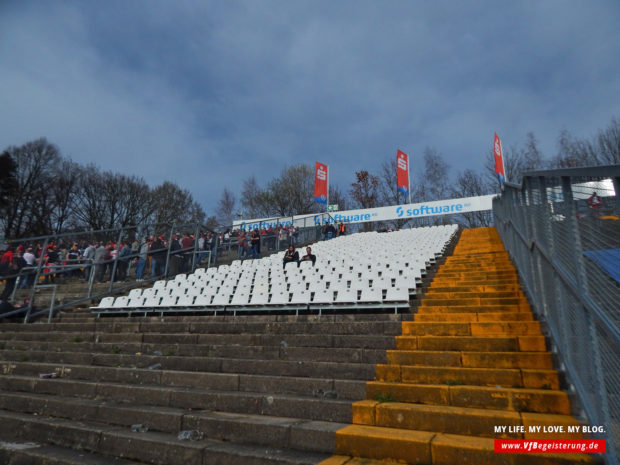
(114, 263)
(196, 232)
(168, 251)
(36, 279)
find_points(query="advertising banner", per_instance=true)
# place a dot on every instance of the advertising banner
(412, 210)
(320, 183)
(499, 158)
(402, 172)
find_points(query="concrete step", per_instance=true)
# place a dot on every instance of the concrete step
(424, 447)
(506, 377)
(18, 376)
(223, 327)
(113, 341)
(149, 447)
(303, 407)
(279, 352)
(459, 420)
(472, 343)
(279, 432)
(358, 371)
(479, 359)
(31, 453)
(279, 340)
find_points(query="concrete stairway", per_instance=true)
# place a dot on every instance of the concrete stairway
(472, 359)
(258, 389)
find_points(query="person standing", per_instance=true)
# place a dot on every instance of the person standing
(255, 243)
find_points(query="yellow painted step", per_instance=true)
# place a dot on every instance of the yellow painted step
(432, 294)
(413, 447)
(475, 309)
(505, 377)
(474, 301)
(518, 328)
(542, 401)
(473, 316)
(451, 449)
(439, 418)
(535, 360)
(470, 343)
(421, 447)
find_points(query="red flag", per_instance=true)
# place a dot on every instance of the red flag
(320, 182)
(499, 158)
(402, 172)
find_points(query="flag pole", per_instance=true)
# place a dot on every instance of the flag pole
(503, 166)
(327, 196)
(409, 177)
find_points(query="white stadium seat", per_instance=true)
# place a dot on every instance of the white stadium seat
(380, 269)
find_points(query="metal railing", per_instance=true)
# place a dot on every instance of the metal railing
(562, 230)
(85, 280)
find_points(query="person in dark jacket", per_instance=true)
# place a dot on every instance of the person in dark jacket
(291, 255)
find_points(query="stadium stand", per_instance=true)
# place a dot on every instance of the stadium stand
(366, 270)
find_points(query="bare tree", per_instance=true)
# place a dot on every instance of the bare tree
(253, 199)
(26, 212)
(434, 183)
(292, 192)
(338, 197)
(603, 149)
(173, 205)
(8, 186)
(471, 184)
(365, 193)
(64, 192)
(225, 208)
(609, 143)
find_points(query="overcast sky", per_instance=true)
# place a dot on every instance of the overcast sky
(207, 93)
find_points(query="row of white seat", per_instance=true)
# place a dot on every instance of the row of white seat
(349, 269)
(390, 296)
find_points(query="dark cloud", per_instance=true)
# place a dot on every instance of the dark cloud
(208, 93)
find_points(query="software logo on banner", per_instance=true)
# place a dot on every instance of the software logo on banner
(499, 159)
(402, 172)
(320, 183)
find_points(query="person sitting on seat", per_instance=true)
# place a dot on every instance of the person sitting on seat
(309, 256)
(291, 255)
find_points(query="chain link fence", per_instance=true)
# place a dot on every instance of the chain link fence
(562, 230)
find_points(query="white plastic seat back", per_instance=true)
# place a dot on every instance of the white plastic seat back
(185, 301)
(346, 296)
(168, 301)
(106, 302)
(323, 297)
(203, 300)
(259, 298)
(279, 298)
(135, 293)
(300, 297)
(397, 294)
(152, 302)
(121, 302)
(371, 295)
